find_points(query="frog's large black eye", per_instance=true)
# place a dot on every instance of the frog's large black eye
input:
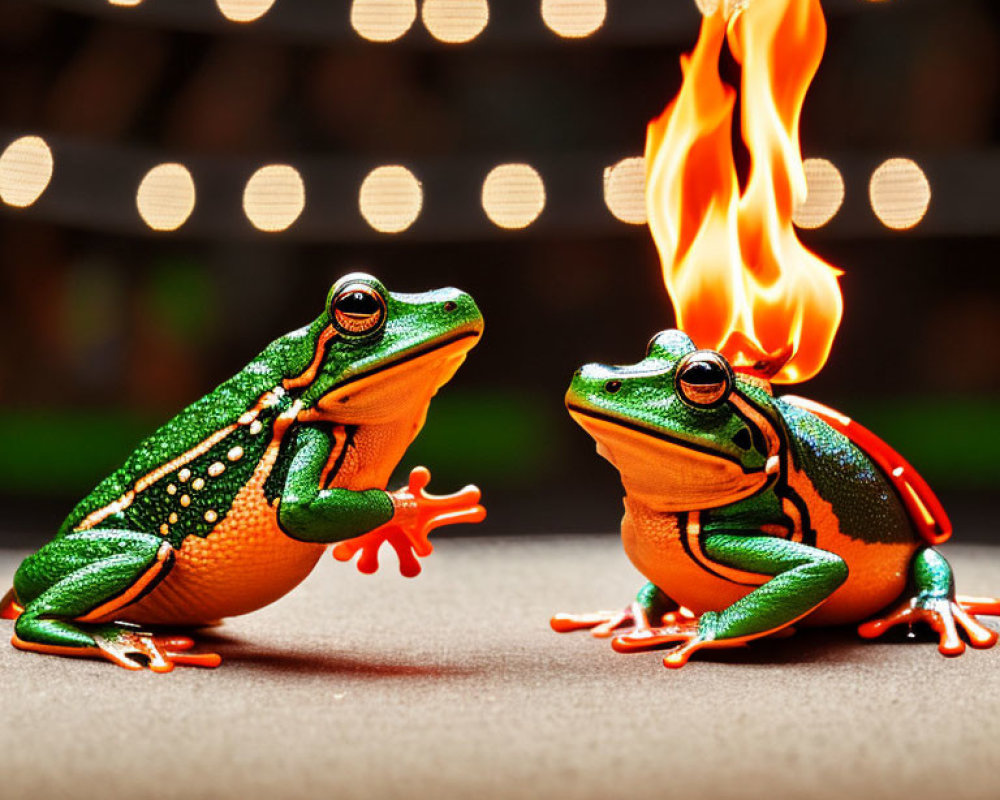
(703, 379)
(357, 310)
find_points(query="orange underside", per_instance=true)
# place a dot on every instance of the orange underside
(877, 572)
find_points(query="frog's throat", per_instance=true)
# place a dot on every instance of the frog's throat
(667, 473)
(393, 388)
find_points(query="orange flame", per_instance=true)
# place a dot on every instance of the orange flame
(740, 280)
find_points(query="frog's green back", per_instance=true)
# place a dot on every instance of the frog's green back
(865, 502)
(289, 355)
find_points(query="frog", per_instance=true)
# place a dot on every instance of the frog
(751, 514)
(229, 505)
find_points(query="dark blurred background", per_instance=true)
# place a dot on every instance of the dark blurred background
(110, 328)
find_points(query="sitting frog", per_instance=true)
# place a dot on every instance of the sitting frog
(749, 513)
(230, 505)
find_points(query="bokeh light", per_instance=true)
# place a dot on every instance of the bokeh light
(574, 19)
(825, 194)
(25, 171)
(390, 198)
(900, 193)
(274, 197)
(625, 190)
(244, 10)
(165, 197)
(124, 3)
(455, 21)
(513, 195)
(382, 20)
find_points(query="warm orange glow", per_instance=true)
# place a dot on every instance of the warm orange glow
(740, 280)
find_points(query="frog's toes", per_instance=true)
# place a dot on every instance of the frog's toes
(948, 618)
(134, 650)
(603, 624)
(680, 630)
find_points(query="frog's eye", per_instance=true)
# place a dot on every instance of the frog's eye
(703, 379)
(357, 310)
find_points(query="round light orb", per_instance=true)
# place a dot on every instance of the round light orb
(455, 21)
(825, 194)
(382, 20)
(25, 171)
(244, 10)
(625, 190)
(513, 195)
(390, 198)
(574, 19)
(274, 197)
(900, 193)
(165, 197)
(124, 3)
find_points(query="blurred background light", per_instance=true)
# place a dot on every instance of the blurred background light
(244, 10)
(274, 197)
(825, 194)
(165, 197)
(455, 21)
(25, 171)
(126, 3)
(900, 193)
(625, 190)
(382, 20)
(574, 19)
(390, 198)
(513, 195)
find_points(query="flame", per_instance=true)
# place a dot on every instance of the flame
(740, 280)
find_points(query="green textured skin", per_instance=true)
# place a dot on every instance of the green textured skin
(864, 502)
(80, 570)
(803, 577)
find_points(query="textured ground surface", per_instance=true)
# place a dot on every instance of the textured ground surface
(452, 685)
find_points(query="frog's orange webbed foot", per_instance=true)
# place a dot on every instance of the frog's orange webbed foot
(417, 513)
(131, 650)
(160, 653)
(945, 616)
(681, 631)
(603, 624)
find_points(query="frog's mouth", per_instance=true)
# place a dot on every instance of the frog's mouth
(669, 473)
(395, 388)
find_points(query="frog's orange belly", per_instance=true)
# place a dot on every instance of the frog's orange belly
(655, 544)
(246, 563)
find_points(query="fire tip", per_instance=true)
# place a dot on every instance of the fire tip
(730, 8)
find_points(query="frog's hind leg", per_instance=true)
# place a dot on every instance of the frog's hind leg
(935, 604)
(651, 607)
(74, 586)
(803, 577)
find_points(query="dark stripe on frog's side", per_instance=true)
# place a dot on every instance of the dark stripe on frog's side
(691, 540)
(864, 500)
(276, 480)
(781, 486)
(208, 505)
(213, 412)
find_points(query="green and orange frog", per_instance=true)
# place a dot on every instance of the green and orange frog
(229, 505)
(749, 513)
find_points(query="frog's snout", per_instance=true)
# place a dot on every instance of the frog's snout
(459, 309)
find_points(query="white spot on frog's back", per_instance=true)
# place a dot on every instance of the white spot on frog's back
(245, 563)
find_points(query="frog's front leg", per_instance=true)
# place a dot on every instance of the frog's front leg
(311, 513)
(363, 520)
(650, 604)
(935, 604)
(73, 587)
(803, 578)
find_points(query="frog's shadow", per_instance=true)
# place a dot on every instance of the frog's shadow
(809, 646)
(240, 652)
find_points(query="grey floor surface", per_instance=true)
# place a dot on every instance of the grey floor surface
(452, 685)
